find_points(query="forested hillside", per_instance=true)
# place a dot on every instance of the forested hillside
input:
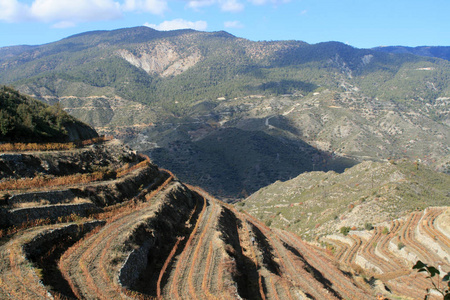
(25, 119)
(171, 93)
(436, 51)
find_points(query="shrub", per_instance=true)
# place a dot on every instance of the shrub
(345, 230)
(368, 226)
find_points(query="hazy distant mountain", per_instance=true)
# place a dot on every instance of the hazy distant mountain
(430, 51)
(174, 93)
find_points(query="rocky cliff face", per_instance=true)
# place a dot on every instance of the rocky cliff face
(160, 59)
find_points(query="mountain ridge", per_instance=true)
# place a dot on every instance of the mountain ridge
(430, 51)
(347, 102)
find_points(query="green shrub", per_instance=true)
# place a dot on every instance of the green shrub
(345, 230)
(368, 226)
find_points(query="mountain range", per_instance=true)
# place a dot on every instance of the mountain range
(345, 148)
(178, 95)
(94, 219)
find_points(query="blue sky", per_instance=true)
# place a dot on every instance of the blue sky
(360, 23)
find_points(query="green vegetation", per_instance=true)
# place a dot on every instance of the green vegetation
(442, 288)
(25, 119)
(345, 230)
(234, 163)
(228, 67)
(379, 192)
(322, 99)
(368, 226)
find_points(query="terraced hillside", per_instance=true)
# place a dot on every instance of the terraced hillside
(375, 219)
(319, 203)
(388, 253)
(140, 233)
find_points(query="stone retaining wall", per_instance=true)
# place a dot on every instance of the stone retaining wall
(21, 215)
(117, 191)
(135, 264)
(156, 233)
(51, 197)
(38, 245)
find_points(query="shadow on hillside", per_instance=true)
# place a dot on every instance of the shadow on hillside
(232, 163)
(286, 87)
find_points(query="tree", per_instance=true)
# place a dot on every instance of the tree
(6, 123)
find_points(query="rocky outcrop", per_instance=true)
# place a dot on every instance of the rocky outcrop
(79, 131)
(161, 59)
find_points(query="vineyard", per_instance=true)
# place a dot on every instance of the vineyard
(388, 253)
(142, 234)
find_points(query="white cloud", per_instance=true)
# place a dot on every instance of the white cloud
(13, 11)
(157, 7)
(64, 24)
(233, 24)
(263, 2)
(67, 13)
(179, 24)
(225, 5)
(75, 11)
(196, 4)
(231, 6)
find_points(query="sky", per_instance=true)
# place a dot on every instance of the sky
(359, 23)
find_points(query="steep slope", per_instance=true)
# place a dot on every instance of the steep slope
(156, 237)
(374, 219)
(156, 89)
(234, 162)
(436, 51)
(141, 233)
(100, 222)
(389, 252)
(317, 203)
(24, 119)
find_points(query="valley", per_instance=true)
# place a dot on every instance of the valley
(145, 164)
(169, 94)
(143, 234)
(163, 239)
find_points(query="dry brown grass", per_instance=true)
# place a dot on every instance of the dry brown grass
(166, 264)
(18, 147)
(127, 169)
(48, 181)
